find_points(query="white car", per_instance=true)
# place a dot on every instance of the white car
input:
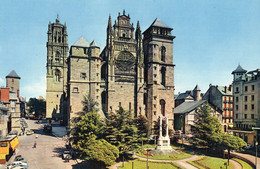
(17, 164)
(248, 146)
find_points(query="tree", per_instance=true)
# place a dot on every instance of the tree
(207, 129)
(89, 105)
(36, 106)
(231, 142)
(142, 126)
(98, 150)
(88, 125)
(121, 131)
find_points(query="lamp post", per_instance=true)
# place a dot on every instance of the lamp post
(181, 131)
(256, 144)
(147, 157)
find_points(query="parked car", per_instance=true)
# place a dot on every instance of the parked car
(18, 167)
(17, 164)
(20, 159)
(13, 132)
(29, 132)
(248, 146)
(66, 155)
(47, 128)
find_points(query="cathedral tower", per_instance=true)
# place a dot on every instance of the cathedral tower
(57, 53)
(159, 72)
(123, 67)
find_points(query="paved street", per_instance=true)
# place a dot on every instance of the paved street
(47, 154)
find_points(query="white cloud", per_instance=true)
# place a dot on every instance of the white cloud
(35, 89)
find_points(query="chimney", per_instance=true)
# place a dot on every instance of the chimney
(230, 88)
(225, 89)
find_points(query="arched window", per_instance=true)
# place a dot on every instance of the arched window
(57, 75)
(162, 103)
(57, 56)
(163, 53)
(163, 77)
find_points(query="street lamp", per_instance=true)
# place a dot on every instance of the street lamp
(147, 157)
(181, 130)
(256, 144)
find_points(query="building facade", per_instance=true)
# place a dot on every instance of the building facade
(185, 115)
(134, 71)
(83, 75)
(246, 92)
(10, 99)
(189, 95)
(222, 98)
(56, 77)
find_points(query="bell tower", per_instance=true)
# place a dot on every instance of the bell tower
(159, 72)
(57, 54)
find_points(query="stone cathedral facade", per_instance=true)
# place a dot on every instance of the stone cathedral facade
(135, 70)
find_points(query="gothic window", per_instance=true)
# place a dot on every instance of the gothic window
(163, 77)
(162, 103)
(57, 75)
(163, 52)
(57, 56)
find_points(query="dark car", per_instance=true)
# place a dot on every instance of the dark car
(47, 128)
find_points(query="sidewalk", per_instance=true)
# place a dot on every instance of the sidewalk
(248, 157)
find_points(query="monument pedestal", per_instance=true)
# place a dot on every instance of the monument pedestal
(163, 141)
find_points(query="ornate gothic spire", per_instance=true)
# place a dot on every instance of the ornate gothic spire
(109, 26)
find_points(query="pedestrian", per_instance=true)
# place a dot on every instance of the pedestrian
(35, 144)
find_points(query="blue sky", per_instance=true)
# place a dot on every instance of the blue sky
(212, 36)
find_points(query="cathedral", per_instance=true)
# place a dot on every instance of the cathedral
(135, 70)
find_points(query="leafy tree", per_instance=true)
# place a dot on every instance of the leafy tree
(97, 150)
(122, 131)
(88, 125)
(207, 129)
(36, 106)
(89, 105)
(231, 142)
(142, 126)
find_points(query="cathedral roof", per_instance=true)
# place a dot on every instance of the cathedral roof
(93, 44)
(239, 69)
(159, 23)
(187, 107)
(82, 42)
(13, 74)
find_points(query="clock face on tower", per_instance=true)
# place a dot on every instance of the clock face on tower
(125, 61)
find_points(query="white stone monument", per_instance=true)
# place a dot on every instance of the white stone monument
(164, 141)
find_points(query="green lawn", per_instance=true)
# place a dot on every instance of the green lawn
(166, 157)
(211, 162)
(178, 147)
(244, 164)
(138, 164)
